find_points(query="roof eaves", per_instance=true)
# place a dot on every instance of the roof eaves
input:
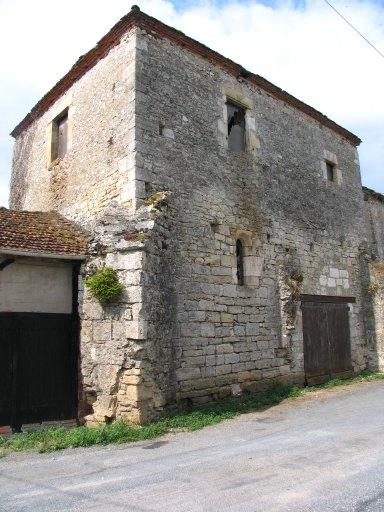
(137, 18)
(372, 193)
(83, 64)
(42, 254)
(156, 26)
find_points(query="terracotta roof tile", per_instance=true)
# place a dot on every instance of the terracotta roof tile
(40, 233)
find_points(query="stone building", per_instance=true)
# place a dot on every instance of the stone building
(232, 211)
(374, 303)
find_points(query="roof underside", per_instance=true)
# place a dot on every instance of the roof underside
(137, 18)
(40, 233)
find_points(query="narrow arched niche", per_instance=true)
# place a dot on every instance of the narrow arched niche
(240, 262)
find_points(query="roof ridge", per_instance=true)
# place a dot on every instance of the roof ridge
(138, 18)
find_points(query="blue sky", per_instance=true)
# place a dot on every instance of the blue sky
(301, 46)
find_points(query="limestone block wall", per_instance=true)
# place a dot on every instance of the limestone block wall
(374, 206)
(117, 374)
(275, 197)
(99, 164)
(374, 280)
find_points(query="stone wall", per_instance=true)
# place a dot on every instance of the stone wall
(100, 144)
(226, 338)
(374, 290)
(117, 378)
(150, 173)
(374, 207)
(374, 282)
(95, 184)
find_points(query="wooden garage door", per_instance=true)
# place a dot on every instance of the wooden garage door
(327, 345)
(38, 368)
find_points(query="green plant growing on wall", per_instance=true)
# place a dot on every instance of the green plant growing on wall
(136, 237)
(372, 288)
(157, 200)
(104, 285)
(294, 282)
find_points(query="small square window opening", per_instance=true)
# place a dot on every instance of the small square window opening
(236, 127)
(331, 171)
(59, 143)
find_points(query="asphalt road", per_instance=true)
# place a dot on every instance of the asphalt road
(317, 454)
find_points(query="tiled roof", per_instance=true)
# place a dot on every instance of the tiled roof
(40, 233)
(139, 19)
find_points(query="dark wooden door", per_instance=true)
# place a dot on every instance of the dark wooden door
(38, 354)
(6, 368)
(316, 345)
(327, 346)
(340, 364)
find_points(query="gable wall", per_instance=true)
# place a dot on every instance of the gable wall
(96, 174)
(99, 160)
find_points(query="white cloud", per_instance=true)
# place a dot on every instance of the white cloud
(308, 51)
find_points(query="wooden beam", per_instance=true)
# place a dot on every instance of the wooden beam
(327, 298)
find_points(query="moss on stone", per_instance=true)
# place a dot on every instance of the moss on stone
(137, 237)
(372, 288)
(156, 200)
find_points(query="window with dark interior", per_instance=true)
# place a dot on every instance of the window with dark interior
(59, 136)
(236, 127)
(331, 174)
(240, 262)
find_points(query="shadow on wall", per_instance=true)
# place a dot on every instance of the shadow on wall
(160, 312)
(372, 273)
(21, 160)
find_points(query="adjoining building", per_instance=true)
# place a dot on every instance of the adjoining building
(232, 212)
(40, 258)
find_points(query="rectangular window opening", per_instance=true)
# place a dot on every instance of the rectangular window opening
(240, 262)
(59, 143)
(236, 127)
(331, 172)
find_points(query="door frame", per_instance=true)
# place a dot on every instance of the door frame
(325, 299)
(74, 340)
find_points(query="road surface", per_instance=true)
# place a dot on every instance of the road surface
(321, 453)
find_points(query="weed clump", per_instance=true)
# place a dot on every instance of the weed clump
(48, 440)
(372, 288)
(104, 285)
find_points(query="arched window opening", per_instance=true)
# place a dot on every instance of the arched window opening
(240, 262)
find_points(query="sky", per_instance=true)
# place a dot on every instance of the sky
(300, 45)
